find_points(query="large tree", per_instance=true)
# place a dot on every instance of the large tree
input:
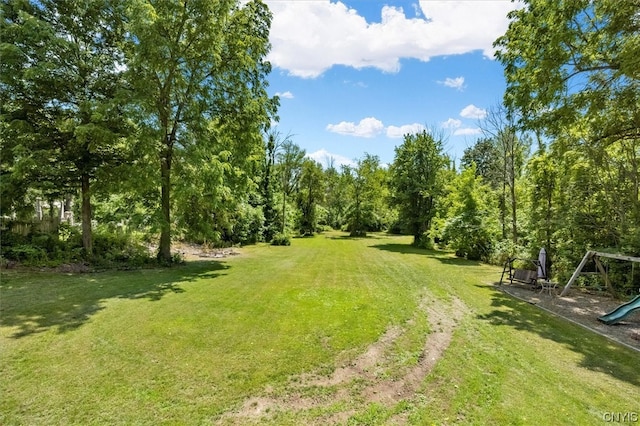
(414, 184)
(62, 95)
(511, 148)
(290, 160)
(574, 64)
(273, 141)
(572, 71)
(201, 72)
(367, 196)
(310, 195)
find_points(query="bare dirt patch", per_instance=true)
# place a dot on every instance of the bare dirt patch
(190, 251)
(584, 309)
(361, 381)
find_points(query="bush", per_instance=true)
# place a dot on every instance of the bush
(280, 239)
(114, 248)
(425, 242)
(27, 254)
(35, 249)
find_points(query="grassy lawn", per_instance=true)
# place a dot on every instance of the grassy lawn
(193, 344)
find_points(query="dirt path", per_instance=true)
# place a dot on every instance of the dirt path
(361, 380)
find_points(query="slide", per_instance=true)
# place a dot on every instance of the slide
(621, 311)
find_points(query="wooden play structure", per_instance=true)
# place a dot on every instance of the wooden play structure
(595, 256)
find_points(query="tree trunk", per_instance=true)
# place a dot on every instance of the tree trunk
(87, 241)
(514, 217)
(164, 251)
(512, 184)
(284, 206)
(503, 207)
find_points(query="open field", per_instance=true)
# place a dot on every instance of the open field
(330, 330)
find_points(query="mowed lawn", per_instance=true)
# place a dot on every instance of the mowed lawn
(191, 344)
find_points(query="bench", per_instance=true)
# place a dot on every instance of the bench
(524, 276)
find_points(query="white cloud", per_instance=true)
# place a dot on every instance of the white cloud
(472, 111)
(285, 95)
(398, 132)
(456, 83)
(467, 131)
(324, 157)
(309, 37)
(370, 127)
(366, 128)
(451, 123)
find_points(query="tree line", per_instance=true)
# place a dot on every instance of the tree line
(154, 116)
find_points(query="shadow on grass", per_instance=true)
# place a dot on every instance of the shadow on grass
(36, 302)
(349, 237)
(443, 257)
(599, 354)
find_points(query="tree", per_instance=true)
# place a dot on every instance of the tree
(367, 195)
(310, 194)
(290, 160)
(574, 65)
(471, 228)
(542, 176)
(485, 155)
(201, 72)
(511, 148)
(273, 142)
(62, 94)
(414, 184)
(572, 76)
(335, 196)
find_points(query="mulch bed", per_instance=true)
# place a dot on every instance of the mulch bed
(583, 308)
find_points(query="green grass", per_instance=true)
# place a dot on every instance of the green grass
(188, 344)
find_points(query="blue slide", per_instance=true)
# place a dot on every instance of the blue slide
(621, 311)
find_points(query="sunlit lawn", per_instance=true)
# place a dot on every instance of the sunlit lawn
(188, 344)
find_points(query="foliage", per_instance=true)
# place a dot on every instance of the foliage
(290, 160)
(362, 181)
(572, 75)
(269, 182)
(111, 249)
(336, 196)
(414, 183)
(281, 240)
(201, 77)
(63, 98)
(471, 229)
(485, 155)
(310, 194)
(115, 249)
(574, 65)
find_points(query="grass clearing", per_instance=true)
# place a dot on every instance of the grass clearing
(194, 344)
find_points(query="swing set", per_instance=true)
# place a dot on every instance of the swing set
(595, 256)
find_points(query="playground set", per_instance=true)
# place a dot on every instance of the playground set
(537, 278)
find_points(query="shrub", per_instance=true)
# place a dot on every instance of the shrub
(27, 254)
(114, 248)
(358, 233)
(425, 242)
(280, 239)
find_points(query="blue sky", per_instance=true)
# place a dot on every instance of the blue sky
(354, 76)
